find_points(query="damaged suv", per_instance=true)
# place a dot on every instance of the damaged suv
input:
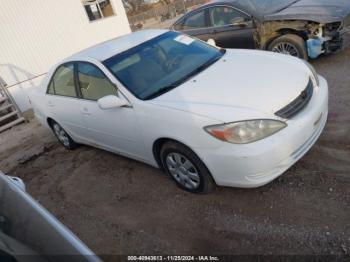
(301, 28)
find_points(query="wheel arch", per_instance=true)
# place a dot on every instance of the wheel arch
(284, 31)
(157, 147)
(50, 121)
(158, 144)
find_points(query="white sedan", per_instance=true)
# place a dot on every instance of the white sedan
(205, 115)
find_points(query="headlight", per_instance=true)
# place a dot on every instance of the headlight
(245, 131)
(314, 76)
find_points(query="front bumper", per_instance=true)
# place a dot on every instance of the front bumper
(256, 164)
(336, 42)
(333, 45)
(330, 42)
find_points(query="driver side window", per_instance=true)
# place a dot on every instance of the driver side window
(224, 15)
(93, 84)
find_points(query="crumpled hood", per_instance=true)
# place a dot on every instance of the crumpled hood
(320, 11)
(257, 82)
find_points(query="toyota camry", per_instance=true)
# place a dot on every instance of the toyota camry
(207, 116)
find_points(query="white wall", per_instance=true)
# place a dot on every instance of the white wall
(36, 34)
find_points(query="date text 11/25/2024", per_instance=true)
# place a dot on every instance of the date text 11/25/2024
(173, 258)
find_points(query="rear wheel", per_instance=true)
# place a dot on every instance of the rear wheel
(289, 44)
(185, 167)
(63, 137)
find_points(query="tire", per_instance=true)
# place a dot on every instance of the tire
(62, 136)
(294, 43)
(186, 169)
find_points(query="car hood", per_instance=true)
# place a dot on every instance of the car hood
(257, 82)
(320, 11)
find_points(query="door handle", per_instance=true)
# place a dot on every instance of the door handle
(240, 24)
(50, 104)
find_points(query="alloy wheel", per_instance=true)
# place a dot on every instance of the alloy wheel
(286, 48)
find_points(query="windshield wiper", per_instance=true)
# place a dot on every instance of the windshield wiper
(185, 78)
(161, 91)
(204, 66)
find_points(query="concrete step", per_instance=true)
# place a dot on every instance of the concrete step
(2, 118)
(13, 123)
(5, 107)
(2, 99)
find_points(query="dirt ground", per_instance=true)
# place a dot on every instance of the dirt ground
(120, 206)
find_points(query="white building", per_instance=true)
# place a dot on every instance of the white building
(36, 34)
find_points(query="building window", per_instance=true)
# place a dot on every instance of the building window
(98, 9)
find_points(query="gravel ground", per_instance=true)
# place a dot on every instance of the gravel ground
(120, 206)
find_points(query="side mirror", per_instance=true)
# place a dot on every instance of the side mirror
(211, 42)
(239, 21)
(109, 102)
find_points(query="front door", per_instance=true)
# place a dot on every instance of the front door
(230, 34)
(114, 129)
(196, 25)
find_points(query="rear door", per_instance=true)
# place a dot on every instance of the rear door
(231, 28)
(62, 100)
(196, 24)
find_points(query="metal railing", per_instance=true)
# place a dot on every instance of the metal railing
(10, 115)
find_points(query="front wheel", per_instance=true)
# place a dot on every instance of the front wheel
(186, 169)
(289, 44)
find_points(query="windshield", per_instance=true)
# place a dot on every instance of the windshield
(267, 6)
(161, 64)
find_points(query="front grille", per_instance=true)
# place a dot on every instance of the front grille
(297, 104)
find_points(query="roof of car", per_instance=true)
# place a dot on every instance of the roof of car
(115, 46)
(243, 5)
(250, 7)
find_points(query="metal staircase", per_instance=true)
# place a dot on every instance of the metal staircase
(10, 115)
